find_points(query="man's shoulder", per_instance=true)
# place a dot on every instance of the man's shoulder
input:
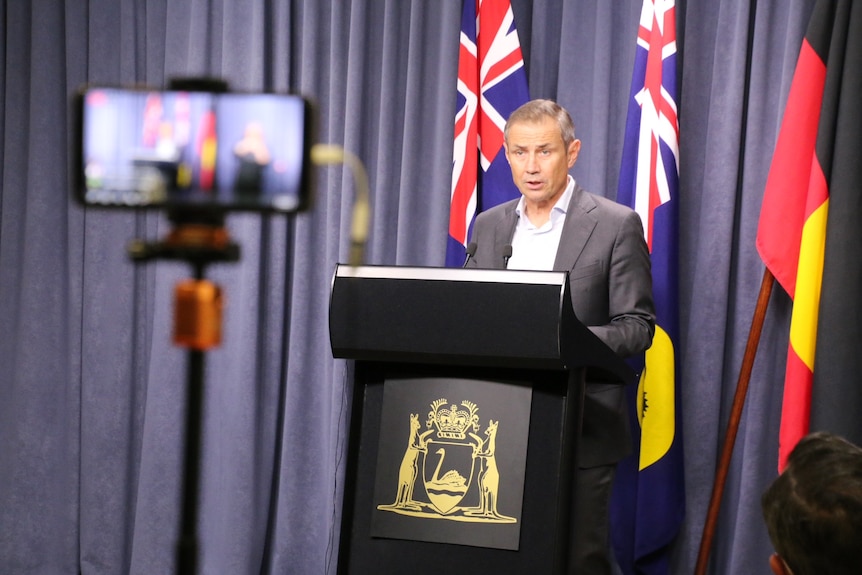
(602, 206)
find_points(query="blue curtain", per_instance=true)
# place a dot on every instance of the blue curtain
(92, 391)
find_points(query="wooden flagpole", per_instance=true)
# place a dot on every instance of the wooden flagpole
(733, 423)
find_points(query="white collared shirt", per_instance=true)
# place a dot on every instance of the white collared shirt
(536, 248)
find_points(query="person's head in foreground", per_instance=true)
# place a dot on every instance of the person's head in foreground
(813, 510)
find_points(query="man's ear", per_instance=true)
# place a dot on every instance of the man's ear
(779, 567)
(572, 152)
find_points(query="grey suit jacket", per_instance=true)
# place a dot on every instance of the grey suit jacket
(602, 247)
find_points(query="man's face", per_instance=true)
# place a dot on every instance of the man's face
(539, 160)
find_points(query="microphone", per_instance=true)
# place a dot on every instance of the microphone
(471, 251)
(507, 253)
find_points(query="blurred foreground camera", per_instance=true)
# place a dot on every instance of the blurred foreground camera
(201, 149)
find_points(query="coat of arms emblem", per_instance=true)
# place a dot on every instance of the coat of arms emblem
(452, 453)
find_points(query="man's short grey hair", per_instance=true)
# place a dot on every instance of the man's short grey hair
(535, 111)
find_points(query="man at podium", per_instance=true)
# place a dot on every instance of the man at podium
(557, 225)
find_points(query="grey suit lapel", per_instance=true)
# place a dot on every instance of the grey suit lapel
(577, 230)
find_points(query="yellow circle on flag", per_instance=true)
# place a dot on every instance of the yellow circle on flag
(655, 400)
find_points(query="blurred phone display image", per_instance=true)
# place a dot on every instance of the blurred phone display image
(198, 149)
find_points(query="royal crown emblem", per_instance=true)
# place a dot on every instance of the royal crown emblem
(452, 422)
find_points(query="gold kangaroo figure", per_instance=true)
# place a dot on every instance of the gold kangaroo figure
(410, 466)
(489, 475)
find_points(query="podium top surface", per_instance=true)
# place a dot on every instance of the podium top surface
(452, 274)
(504, 318)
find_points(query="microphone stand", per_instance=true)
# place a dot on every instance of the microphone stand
(199, 239)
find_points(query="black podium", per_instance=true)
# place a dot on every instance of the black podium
(467, 401)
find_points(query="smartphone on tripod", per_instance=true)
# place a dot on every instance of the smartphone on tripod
(197, 149)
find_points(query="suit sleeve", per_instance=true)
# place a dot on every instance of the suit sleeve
(631, 308)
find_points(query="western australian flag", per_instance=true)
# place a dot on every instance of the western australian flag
(492, 83)
(647, 505)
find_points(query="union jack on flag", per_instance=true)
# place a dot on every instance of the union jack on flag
(647, 505)
(659, 126)
(492, 83)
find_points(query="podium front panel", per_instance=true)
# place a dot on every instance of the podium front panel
(420, 544)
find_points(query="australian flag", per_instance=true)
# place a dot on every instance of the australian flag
(492, 83)
(647, 506)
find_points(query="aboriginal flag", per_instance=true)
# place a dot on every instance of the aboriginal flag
(809, 235)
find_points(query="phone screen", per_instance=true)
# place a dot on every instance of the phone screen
(230, 151)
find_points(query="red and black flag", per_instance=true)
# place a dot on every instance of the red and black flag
(836, 396)
(810, 235)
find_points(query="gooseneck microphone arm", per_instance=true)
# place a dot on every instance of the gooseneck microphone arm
(507, 253)
(323, 154)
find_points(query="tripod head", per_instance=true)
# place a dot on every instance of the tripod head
(198, 237)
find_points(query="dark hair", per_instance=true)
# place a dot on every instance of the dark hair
(813, 510)
(536, 110)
